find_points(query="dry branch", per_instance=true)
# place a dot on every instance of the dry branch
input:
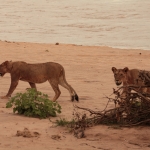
(132, 110)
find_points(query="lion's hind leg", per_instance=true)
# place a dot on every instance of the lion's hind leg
(32, 85)
(56, 89)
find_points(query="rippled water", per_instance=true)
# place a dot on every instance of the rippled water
(116, 23)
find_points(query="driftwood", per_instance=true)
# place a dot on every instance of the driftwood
(145, 77)
(132, 110)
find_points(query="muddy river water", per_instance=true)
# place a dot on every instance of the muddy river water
(115, 23)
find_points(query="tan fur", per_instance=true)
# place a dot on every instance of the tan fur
(37, 73)
(128, 78)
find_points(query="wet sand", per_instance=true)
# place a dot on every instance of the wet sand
(88, 70)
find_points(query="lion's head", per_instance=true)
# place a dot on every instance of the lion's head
(5, 67)
(120, 75)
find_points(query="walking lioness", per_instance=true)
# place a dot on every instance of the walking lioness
(128, 78)
(37, 73)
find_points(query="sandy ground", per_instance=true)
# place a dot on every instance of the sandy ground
(88, 70)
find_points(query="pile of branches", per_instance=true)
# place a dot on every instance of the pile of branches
(130, 110)
(144, 76)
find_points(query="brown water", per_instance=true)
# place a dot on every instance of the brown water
(115, 23)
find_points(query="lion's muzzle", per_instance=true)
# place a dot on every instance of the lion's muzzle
(2, 74)
(118, 82)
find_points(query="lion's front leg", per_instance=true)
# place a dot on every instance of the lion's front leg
(4, 97)
(13, 86)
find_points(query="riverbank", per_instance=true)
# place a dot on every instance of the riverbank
(88, 71)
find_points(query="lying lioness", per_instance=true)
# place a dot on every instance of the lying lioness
(37, 73)
(128, 78)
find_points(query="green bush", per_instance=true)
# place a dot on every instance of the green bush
(63, 122)
(33, 103)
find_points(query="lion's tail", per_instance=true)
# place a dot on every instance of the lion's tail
(67, 86)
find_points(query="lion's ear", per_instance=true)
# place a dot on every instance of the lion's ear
(6, 63)
(113, 69)
(126, 69)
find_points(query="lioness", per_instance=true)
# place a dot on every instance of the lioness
(37, 73)
(128, 77)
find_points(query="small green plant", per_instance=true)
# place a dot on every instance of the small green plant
(33, 103)
(63, 122)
